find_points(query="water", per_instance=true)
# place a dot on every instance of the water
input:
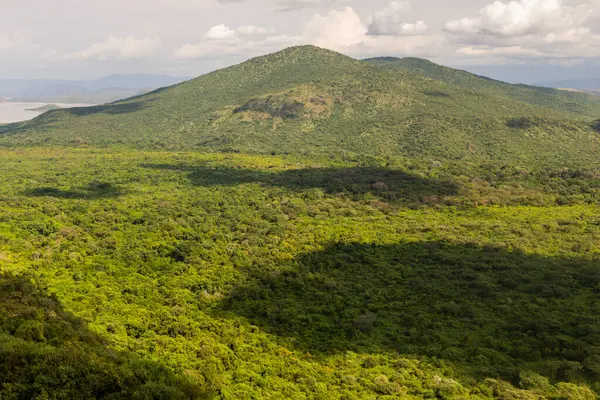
(16, 111)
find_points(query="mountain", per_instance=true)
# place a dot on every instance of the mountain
(538, 95)
(47, 107)
(310, 100)
(103, 90)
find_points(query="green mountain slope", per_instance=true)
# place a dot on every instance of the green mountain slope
(309, 100)
(576, 102)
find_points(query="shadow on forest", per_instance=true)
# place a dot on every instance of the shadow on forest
(95, 190)
(386, 184)
(48, 353)
(490, 310)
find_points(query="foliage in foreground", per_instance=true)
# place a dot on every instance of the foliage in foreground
(47, 353)
(271, 277)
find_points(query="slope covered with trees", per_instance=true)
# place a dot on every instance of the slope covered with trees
(577, 102)
(306, 100)
(48, 353)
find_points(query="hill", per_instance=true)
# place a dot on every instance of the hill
(310, 100)
(47, 107)
(579, 103)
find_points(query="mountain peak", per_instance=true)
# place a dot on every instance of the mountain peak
(302, 52)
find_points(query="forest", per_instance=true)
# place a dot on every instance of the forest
(151, 275)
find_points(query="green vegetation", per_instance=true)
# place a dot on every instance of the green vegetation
(47, 107)
(265, 277)
(563, 100)
(307, 100)
(333, 230)
(48, 353)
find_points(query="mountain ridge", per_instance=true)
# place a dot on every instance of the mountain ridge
(529, 93)
(307, 99)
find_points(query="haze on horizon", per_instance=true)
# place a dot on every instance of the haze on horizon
(517, 41)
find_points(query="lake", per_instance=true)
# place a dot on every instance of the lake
(17, 111)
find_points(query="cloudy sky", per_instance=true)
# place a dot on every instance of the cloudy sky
(519, 40)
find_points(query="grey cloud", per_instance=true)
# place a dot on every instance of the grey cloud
(391, 21)
(291, 5)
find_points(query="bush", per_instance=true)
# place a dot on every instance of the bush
(521, 123)
(365, 322)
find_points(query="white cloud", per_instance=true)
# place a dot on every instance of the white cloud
(294, 5)
(119, 48)
(223, 40)
(390, 21)
(224, 32)
(251, 30)
(403, 29)
(345, 31)
(335, 30)
(340, 30)
(547, 30)
(517, 18)
(220, 32)
(6, 42)
(487, 51)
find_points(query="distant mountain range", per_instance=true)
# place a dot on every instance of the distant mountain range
(103, 90)
(583, 85)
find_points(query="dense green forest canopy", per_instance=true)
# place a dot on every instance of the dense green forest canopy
(306, 226)
(191, 275)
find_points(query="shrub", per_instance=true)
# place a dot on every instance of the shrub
(521, 123)
(365, 322)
